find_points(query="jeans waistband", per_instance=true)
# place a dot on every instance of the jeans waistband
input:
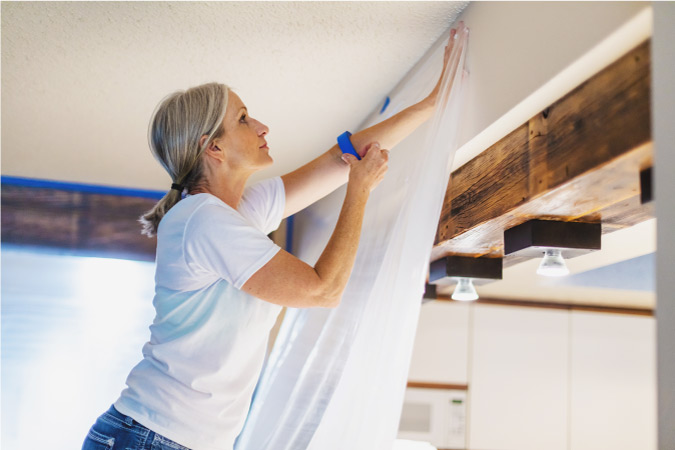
(119, 418)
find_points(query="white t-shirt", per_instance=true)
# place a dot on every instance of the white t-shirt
(209, 338)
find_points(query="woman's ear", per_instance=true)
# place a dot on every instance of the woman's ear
(212, 149)
(202, 140)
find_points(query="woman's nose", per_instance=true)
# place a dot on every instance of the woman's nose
(262, 129)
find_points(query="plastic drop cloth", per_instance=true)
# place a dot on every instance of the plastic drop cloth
(336, 377)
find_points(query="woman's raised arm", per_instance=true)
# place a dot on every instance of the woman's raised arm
(326, 173)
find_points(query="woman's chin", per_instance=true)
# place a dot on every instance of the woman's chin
(266, 162)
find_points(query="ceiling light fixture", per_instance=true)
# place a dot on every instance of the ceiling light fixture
(553, 264)
(465, 290)
(556, 239)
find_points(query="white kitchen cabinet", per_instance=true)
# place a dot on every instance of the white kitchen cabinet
(613, 382)
(518, 379)
(441, 344)
(543, 378)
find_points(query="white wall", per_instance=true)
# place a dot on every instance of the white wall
(664, 165)
(516, 47)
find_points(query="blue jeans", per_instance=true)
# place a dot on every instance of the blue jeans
(115, 431)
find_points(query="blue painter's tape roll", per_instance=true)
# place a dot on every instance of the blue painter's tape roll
(346, 144)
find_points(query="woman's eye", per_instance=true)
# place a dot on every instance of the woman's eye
(243, 118)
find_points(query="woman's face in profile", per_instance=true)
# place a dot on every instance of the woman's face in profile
(244, 141)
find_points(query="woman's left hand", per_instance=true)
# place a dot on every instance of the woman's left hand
(433, 96)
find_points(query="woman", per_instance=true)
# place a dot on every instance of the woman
(220, 281)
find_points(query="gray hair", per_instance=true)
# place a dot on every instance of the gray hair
(176, 127)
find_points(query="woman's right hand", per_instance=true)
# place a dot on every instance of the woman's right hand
(367, 173)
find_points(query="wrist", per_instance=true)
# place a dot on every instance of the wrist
(429, 102)
(427, 106)
(357, 193)
(336, 155)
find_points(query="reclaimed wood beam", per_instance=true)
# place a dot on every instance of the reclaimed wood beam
(578, 160)
(74, 222)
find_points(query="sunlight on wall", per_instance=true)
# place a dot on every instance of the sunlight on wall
(72, 328)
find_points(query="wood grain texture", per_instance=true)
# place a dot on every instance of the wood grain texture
(578, 160)
(76, 222)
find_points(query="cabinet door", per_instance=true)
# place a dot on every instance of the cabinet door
(613, 381)
(518, 379)
(441, 344)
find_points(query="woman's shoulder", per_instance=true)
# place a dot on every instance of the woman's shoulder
(263, 204)
(263, 190)
(195, 208)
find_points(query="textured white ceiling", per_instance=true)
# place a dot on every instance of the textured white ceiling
(80, 80)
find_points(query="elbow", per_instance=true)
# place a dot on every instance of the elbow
(327, 298)
(326, 292)
(333, 301)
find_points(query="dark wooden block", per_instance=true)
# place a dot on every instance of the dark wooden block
(429, 293)
(646, 184)
(533, 237)
(481, 270)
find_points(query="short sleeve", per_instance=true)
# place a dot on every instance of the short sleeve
(263, 204)
(220, 241)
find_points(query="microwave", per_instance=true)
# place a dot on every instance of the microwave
(437, 416)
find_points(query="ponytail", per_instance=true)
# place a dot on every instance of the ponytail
(150, 220)
(176, 127)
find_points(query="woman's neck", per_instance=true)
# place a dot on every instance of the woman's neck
(229, 188)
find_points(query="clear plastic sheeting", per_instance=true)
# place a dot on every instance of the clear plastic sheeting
(336, 377)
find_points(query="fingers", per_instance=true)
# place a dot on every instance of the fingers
(349, 158)
(377, 159)
(448, 47)
(384, 154)
(373, 144)
(451, 40)
(377, 162)
(371, 148)
(370, 171)
(453, 35)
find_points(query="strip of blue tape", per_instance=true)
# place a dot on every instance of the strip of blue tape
(81, 187)
(289, 233)
(346, 145)
(386, 103)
